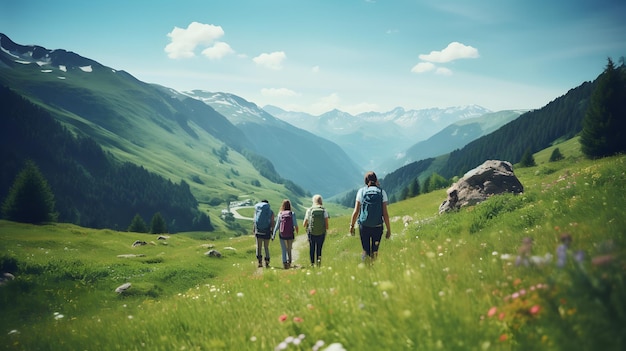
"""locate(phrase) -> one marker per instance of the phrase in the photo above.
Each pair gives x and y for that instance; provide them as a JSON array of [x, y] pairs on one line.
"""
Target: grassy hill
[[441, 282]]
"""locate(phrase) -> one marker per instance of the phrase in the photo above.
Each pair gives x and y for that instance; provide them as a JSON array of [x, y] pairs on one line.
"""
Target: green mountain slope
[[181, 140]]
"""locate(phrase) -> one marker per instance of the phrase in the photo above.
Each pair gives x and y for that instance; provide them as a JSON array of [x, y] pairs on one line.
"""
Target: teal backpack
[[371, 214]]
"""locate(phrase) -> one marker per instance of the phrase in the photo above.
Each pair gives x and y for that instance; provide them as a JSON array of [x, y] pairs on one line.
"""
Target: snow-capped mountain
[[371, 138]]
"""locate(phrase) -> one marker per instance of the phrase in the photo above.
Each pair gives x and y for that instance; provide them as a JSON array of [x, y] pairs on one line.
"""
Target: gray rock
[[213, 253], [491, 178], [122, 288]]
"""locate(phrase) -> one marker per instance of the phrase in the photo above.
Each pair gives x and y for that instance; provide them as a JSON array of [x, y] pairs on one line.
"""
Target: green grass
[[440, 283]]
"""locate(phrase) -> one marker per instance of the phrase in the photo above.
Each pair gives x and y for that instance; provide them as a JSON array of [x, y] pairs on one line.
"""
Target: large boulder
[[491, 178]]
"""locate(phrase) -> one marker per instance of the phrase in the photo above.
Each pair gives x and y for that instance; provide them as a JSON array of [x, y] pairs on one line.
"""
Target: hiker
[[286, 226], [370, 209], [263, 224], [316, 224]]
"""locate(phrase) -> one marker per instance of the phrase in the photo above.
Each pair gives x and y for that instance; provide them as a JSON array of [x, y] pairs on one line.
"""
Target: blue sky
[[352, 55]]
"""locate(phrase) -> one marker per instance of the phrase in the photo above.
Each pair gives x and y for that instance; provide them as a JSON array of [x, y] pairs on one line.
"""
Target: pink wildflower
[[535, 309], [282, 317], [298, 319], [492, 311]]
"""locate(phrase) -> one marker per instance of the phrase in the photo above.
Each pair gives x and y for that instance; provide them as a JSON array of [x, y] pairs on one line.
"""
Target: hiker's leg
[[319, 248], [289, 246], [283, 248], [366, 239], [377, 235], [259, 255], [311, 249], [266, 244]]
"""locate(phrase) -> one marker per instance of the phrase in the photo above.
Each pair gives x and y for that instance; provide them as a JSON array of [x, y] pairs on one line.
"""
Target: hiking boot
[[260, 264], [286, 265]]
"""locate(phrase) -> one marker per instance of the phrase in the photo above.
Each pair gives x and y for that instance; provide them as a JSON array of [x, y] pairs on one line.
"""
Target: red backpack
[[286, 224]]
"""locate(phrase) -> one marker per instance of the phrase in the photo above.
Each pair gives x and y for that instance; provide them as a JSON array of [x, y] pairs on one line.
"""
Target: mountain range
[[226, 147]]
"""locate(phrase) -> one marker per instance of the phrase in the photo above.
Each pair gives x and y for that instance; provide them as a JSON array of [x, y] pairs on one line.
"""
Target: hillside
[[180, 140], [317, 164], [441, 282]]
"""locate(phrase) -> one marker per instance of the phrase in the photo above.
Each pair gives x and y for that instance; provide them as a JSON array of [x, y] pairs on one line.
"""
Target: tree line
[[594, 110], [90, 187]]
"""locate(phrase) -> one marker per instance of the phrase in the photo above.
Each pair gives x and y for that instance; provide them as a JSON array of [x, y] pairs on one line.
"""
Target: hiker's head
[[317, 200], [267, 202], [286, 205], [371, 179]]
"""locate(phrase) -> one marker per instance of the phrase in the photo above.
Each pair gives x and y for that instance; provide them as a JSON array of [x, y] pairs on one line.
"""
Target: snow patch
[[42, 63], [9, 52], [86, 68], [63, 68], [46, 70], [23, 62], [62, 78]]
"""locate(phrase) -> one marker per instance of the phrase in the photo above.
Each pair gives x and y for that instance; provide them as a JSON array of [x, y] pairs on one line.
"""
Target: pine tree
[[414, 188], [157, 225], [527, 159], [138, 225], [30, 199], [556, 155], [605, 119]]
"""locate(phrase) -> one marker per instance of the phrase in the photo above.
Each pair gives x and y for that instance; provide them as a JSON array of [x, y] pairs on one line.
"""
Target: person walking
[[316, 224], [370, 211], [262, 229], [286, 226]]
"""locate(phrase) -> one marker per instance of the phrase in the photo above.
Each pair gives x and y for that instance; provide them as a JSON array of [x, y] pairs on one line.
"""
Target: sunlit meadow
[[451, 282]]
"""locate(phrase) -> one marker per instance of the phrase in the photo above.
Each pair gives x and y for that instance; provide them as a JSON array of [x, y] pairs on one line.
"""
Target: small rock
[[122, 288]]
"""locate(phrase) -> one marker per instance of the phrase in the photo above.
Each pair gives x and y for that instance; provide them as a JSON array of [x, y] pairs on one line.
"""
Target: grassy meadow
[[446, 282]]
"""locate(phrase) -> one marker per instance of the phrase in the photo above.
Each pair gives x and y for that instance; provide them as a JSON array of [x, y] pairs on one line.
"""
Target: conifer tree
[[414, 188], [556, 155], [138, 225], [30, 199], [157, 225], [527, 159], [605, 119]]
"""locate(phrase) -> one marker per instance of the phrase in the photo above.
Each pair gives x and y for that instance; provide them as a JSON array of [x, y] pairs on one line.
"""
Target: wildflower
[[312, 292], [318, 345], [535, 309], [298, 319], [58, 316], [335, 347], [503, 338], [492, 311], [310, 307], [282, 317], [501, 316], [253, 338], [239, 294], [282, 346]]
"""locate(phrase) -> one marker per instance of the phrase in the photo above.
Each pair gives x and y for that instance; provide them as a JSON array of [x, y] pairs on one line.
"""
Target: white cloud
[[443, 71], [326, 103], [278, 92], [217, 51], [315, 69], [272, 61], [184, 41], [423, 67], [453, 51]]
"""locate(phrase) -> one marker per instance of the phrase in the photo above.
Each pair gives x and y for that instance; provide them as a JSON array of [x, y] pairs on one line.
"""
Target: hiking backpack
[[371, 214], [317, 223], [262, 217], [286, 224]]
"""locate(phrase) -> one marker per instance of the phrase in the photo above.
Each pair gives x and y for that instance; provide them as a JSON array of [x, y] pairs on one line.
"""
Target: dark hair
[[286, 205], [370, 178]]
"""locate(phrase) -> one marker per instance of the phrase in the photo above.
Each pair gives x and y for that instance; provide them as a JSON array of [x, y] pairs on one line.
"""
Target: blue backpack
[[371, 214], [262, 218]]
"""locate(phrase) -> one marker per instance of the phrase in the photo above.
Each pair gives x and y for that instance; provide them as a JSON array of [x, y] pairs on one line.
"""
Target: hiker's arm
[[386, 219], [355, 213]]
